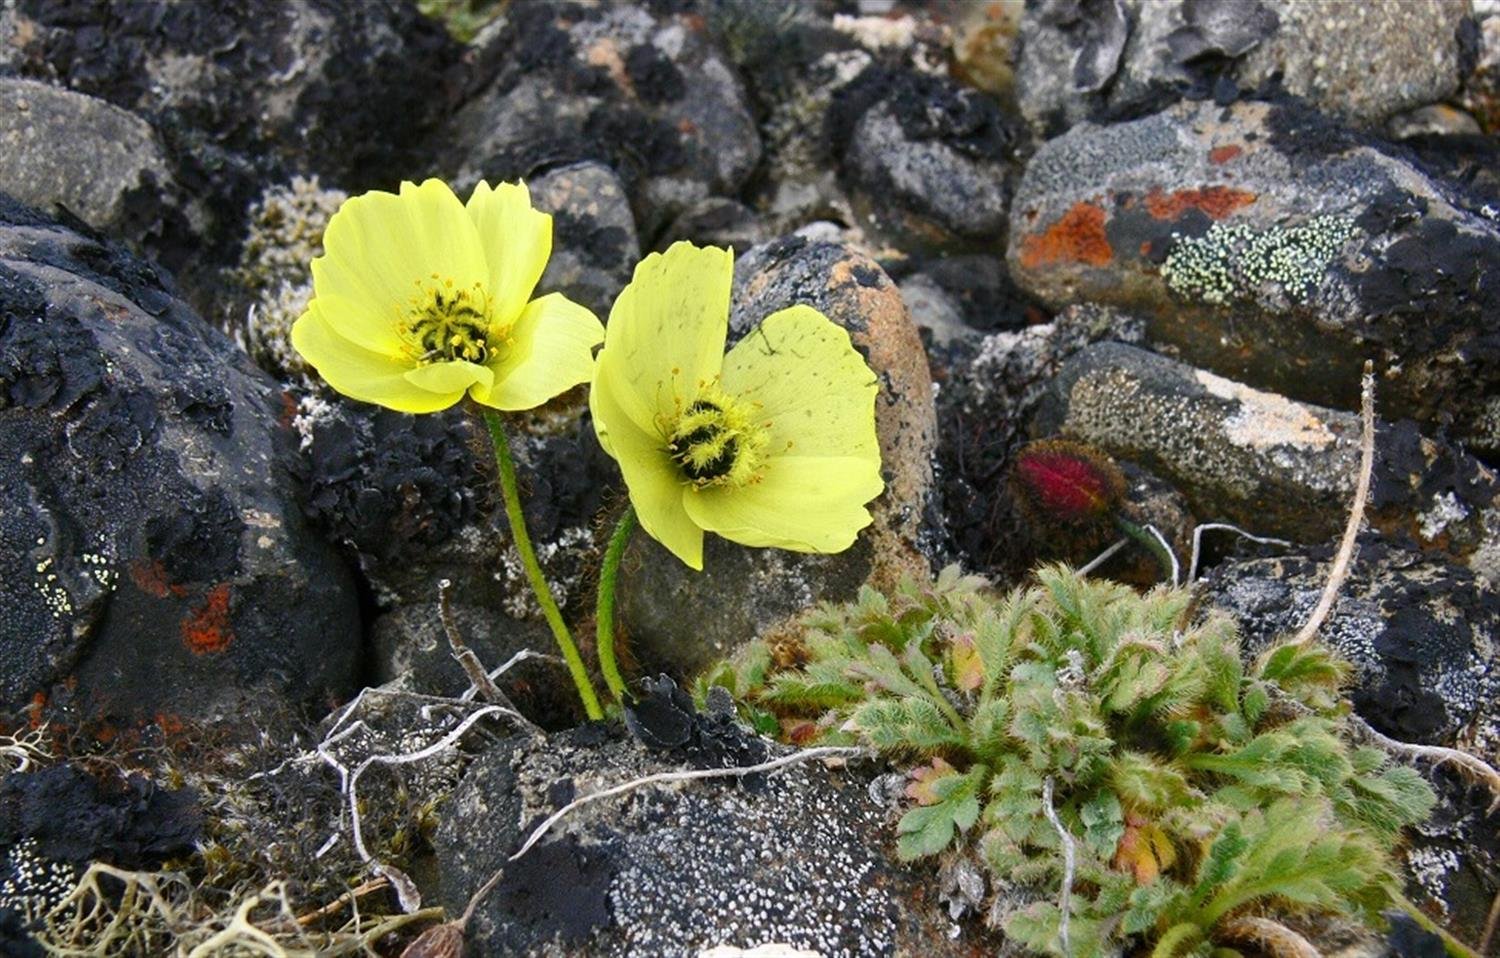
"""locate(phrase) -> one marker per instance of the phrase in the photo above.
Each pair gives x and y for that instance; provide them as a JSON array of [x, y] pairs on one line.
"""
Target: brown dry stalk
[[1341, 562]]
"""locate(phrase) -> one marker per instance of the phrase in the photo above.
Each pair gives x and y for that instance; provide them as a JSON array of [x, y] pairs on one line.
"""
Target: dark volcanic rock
[[246, 92], [1422, 633], [1272, 247], [928, 160], [796, 857], [742, 592], [649, 95], [1275, 466], [154, 551], [1093, 59], [594, 246]]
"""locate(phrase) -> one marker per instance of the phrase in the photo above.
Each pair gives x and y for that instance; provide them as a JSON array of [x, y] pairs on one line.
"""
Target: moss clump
[[274, 275], [1232, 262], [1190, 788]]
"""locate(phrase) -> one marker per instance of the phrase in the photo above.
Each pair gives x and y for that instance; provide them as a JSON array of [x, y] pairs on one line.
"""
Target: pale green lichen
[[284, 236], [1236, 261]]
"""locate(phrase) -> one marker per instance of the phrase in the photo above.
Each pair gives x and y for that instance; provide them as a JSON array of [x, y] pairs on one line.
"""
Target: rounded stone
[[160, 557], [1272, 465], [651, 96], [798, 857]]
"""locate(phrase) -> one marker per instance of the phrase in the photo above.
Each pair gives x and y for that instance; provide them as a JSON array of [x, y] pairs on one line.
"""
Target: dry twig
[[1065, 901], [1341, 561]]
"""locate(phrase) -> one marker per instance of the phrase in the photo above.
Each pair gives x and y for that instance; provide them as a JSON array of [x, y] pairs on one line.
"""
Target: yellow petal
[[814, 391], [516, 239], [651, 476], [665, 338], [806, 504], [382, 249], [551, 351], [360, 373], [452, 376]]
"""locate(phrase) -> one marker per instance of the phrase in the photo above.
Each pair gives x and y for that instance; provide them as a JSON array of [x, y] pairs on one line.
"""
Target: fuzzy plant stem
[[507, 470], [609, 575], [1152, 543]]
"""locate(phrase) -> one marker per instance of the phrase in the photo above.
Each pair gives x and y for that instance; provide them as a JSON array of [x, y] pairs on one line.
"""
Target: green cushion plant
[[1077, 719]]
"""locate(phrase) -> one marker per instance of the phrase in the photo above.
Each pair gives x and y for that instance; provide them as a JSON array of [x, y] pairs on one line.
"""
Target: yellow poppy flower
[[771, 445], [420, 299]]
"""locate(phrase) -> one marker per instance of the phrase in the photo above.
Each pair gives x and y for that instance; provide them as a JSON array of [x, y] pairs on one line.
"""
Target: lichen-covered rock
[[1422, 633], [319, 85], [154, 551], [415, 499], [1276, 466], [99, 162], [927, 160], [594, 245], [1360, 62], [798, 857], [743, 592], [1271, 247], [649, 95], [1424, 638]]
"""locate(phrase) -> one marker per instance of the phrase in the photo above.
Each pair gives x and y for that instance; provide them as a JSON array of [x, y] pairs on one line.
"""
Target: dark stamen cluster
[[703, 447]]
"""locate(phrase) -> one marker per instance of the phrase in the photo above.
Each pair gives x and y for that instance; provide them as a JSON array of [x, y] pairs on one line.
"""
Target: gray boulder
[[154, 548], [1088, 59], [101, 163], [1273, 465], [798, 857], [1269, 246], [928, 161], [594, 244]]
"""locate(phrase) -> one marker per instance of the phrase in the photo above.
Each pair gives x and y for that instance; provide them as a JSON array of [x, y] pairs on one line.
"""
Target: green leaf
[[929, 829]]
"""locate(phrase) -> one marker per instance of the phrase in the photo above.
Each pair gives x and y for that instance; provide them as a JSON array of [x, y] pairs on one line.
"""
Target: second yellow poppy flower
[[772, 444]]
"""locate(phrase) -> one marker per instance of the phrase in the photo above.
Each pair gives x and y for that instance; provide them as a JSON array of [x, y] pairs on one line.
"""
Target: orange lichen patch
[[169, 723], [687, 127], [206, 629], [1076, 238], [151, 578], [1220, 155], [1217, 201], [36, 708]]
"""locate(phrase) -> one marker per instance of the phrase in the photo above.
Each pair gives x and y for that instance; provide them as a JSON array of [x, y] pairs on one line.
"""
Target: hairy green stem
[[507, 470], [609, 575], [1158, 551], [1176, 936]]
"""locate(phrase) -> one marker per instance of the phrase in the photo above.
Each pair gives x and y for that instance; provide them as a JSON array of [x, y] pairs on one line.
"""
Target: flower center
[[715, 442], [447, 324]]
